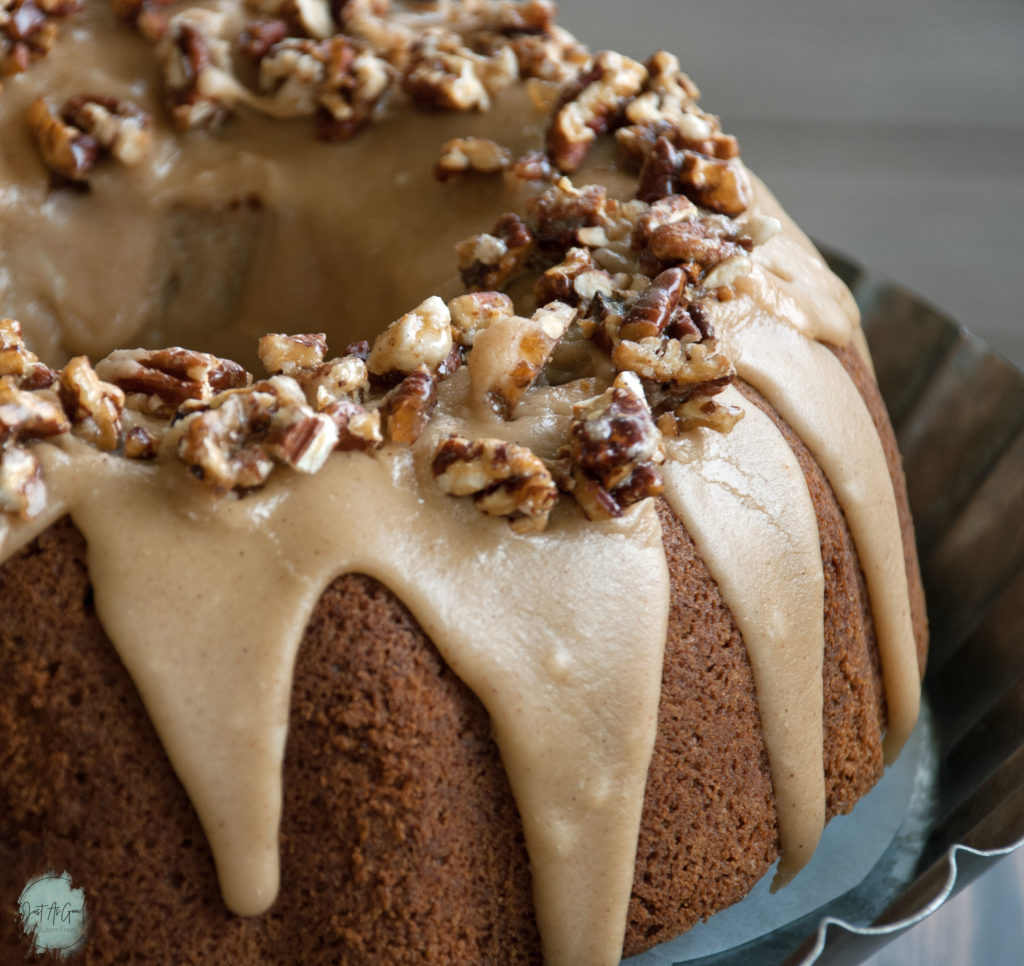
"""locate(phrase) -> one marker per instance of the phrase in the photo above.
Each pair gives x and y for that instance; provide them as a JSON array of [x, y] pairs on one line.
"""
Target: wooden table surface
[[894, 133]]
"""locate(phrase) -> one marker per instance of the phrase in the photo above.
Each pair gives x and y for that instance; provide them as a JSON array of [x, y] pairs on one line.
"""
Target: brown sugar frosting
[[206, 591]]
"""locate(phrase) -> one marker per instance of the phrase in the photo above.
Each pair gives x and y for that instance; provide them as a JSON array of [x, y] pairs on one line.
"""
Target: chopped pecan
[[406, 409], [529, 17], [473, 313], [422, 337], [18, 363], [21, 483], [489, 260], [712, 183], [200, 88], [720, 185], [614, 434], [301, 438], [555, 56], [231, 440], [654, 308], [667, 81], [505, 480], [699, 241], [358, 428], [700, 411], [509, 356], [332, 78], [592, 109], [576, 280], [759, 229], [666, 211], [728, 271], [94, 407], [121, 127], [66, 151], [443, 74], [140, 444], [344, 378], [682, 365], [532, 167], [257, 39], [286, 354], [314, 16], [659, 174], [147, 15], [221, 446], [28, 29], [158, 381], [367, 21], [559, 215], [471, 154], [28, 415]]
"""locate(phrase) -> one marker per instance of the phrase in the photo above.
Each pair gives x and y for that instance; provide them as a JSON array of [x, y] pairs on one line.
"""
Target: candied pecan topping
[[476, 311], [576, 279], [367, 21], [286, 354], [259, 36], [532, 167], [680, 364], [529, 17], [699, 411], [615, 450], [712, 183], [233, 440], [504, 479], [28, 29], [146, 15], [301, 438], [160, 380], [422, 337], [66, 151], [509, 356], [314, 17], [94, 407], [443, 74], [463, 155], [659, 176], [119, 126], [344, 378], [140, 444], [18, 363], [21, 483], [728, 271], [559, 214], [654, 307], [200, 88], [694, 240], [358, 428], [333, 79], [26, 415], [489, 260], [406, 409], [593, 107], [615, 430]]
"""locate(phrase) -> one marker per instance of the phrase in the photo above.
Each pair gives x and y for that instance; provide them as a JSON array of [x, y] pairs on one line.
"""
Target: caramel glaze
[[206, 600]]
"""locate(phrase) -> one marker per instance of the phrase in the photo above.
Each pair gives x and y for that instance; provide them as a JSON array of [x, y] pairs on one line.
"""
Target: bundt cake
[[552, 582]]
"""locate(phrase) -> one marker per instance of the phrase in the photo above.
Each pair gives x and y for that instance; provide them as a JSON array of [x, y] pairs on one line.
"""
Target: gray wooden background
[[893, 132]]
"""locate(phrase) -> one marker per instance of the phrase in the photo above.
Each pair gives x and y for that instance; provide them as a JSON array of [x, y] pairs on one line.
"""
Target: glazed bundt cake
[[509, 560]]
